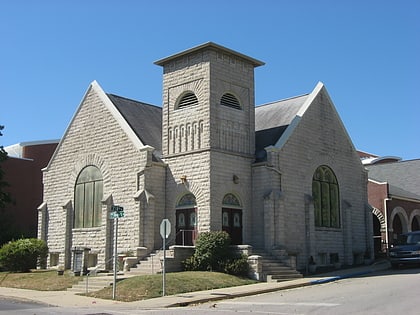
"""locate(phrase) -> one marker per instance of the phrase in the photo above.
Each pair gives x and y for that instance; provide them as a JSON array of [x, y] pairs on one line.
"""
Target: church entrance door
[[232, 224], [186, 224]]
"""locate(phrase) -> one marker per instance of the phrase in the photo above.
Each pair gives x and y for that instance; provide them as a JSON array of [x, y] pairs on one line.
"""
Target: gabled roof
[[144, 119], [398, 192], [276, 114], [402, 175], [272, 120], [141, 122]]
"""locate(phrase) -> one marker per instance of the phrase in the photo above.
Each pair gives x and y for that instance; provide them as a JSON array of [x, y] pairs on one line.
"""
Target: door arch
[[232, 218], [186, 220]]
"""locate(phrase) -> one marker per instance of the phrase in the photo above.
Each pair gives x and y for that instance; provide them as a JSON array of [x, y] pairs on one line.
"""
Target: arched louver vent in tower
[[188, 99], [230, 100]]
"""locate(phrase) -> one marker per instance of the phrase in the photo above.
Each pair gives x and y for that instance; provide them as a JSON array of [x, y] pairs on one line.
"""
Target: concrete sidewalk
[[70, 299]]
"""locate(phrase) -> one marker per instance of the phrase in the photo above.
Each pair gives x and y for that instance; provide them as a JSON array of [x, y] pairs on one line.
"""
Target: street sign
[[113, 215], [165, 228], [117, 212], [116, 208]]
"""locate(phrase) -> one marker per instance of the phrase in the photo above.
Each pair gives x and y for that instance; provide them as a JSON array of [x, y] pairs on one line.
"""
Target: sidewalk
[[69, 299]]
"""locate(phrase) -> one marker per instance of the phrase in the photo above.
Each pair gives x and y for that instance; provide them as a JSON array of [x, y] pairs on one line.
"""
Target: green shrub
[[211, 249], [23, 254], [213, 253], [237, 266]]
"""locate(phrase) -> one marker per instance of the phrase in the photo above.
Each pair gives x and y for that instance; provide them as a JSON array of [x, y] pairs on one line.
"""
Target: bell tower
[[208, 127]]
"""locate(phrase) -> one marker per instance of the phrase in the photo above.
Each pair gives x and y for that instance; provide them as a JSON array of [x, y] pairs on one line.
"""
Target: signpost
[[165, 230], [116, 212]]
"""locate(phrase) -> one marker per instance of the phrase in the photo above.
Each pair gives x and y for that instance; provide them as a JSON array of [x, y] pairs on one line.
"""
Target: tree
[[8, 229], [5, 197]]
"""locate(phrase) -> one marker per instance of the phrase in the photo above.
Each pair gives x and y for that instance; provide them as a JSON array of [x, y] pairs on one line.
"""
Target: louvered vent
[[230, 100], [188, 99]]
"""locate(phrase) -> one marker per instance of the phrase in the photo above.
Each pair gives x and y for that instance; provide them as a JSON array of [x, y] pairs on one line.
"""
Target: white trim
[[377, 182], [114, 112], [292, 126]]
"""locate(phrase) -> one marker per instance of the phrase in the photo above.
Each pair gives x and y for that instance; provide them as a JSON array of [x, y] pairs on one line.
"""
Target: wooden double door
[[232, 224], [186, 226]]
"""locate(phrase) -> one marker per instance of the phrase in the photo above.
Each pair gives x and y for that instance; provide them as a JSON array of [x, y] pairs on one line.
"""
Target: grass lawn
[[150, 286], [41, 280], [130, 289]]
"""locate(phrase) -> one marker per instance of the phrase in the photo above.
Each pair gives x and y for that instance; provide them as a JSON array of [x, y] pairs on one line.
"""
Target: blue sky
[[365, 52]]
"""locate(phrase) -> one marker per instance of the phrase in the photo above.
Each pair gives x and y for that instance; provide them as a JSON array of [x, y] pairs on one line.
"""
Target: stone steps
[[150, 264], [96, 283], [274, 270]]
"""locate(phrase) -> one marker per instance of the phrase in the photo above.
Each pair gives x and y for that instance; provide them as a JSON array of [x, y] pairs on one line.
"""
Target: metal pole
[[114, 284], [164, 259]]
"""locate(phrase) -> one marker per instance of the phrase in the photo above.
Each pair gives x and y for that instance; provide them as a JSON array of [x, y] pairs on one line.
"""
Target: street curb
[[228, 296], [350, 275], [374, 267]]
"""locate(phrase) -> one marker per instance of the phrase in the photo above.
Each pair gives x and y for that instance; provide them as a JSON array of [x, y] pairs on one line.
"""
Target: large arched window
[[326, 198], [87, 198]]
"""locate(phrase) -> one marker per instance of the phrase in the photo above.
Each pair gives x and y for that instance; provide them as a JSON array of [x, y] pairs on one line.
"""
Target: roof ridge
[[132, 100], [282, 100]]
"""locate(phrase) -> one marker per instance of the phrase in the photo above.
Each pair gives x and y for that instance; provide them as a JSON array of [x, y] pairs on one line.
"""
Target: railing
[[171, 241], [184, 232], [94, 271]]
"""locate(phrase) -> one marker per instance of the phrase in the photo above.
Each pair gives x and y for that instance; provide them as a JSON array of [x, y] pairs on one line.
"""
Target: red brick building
[[23, 173], [394, 194]]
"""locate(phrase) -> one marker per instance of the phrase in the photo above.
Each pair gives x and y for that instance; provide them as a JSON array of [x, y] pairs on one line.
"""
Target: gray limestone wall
[[94, 137]]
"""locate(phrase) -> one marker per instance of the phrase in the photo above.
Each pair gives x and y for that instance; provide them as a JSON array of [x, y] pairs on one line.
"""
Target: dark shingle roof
[[144, 119], [401, 176], [272, 119]]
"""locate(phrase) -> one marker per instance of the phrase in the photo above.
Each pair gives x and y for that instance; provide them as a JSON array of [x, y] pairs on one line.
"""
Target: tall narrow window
[[87, 198], [326, 198]]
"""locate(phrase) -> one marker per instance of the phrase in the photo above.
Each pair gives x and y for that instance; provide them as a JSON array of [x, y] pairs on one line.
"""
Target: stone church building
[[284, 175]]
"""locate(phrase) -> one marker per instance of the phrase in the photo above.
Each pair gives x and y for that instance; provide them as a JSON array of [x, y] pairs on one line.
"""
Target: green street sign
[[116, 212], [116, 208]]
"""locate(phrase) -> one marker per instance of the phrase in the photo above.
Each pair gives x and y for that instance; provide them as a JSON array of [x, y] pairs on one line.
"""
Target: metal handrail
[[95, 270]]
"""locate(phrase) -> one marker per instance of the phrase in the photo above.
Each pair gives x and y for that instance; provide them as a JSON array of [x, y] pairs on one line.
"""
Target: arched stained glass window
[[231, 200], [187, 200], [87, 198], [326, 198]]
